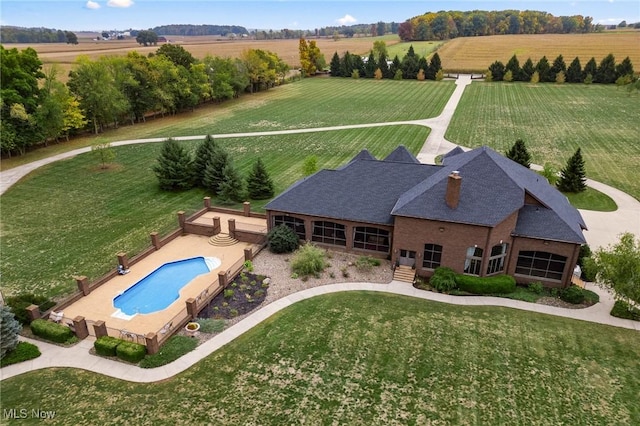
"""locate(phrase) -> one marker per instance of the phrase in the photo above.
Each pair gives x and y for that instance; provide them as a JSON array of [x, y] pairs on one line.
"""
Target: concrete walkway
[[78, 356]]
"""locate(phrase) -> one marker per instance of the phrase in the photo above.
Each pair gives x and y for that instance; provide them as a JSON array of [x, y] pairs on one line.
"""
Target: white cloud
[[346, 20], [120, 3], [92, 5]]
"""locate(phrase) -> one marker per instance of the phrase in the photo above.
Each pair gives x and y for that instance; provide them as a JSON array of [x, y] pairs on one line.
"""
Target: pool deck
[[254, 223], [99, 304]]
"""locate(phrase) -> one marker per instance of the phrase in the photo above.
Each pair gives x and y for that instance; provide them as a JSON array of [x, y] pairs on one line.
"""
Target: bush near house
[[51, 331], [621, 309], [486, 285], [443, 279], [131, 352], [23, 352], [572, 295], [282, 239], [21, 302], [106, 345], [308, 260]]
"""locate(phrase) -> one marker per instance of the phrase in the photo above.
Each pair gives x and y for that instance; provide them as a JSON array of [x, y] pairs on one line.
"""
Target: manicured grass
[[592, 199], [421, 48], [71, 217], [23, 352], [477, 53], [173, 349], [312, 102], [554, 120], [362, 359]]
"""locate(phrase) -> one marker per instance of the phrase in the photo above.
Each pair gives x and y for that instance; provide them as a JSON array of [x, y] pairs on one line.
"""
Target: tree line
[[198, 30], [606, 72], [446, 25], [36, 108], [378, 66], [10, 34]]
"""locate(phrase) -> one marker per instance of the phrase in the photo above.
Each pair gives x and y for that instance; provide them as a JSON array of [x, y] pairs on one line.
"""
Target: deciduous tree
[[147, 37], [618, 268]]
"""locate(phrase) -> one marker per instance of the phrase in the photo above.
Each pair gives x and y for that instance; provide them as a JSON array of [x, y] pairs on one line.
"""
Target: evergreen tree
[[519, 154], [214, 173], [370, 66], [606, 72], [203, 158], [624, 68], [514, 66], [590, 68], [395, 66], [410, 64], [259, 184], [497, 70], [383, 66], [527, 70], [232, 186], [544, 70], [336, 68], [346, 65], [175, 166], [572, 177], [557, 67], [434, 66], [574, 72], [9, 330], [423, 66]]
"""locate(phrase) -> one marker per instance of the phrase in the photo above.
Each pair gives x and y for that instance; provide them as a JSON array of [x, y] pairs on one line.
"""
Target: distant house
[[162, 39], [479, 214]]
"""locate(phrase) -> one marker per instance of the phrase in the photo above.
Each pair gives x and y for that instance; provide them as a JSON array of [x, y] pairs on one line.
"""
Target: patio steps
[[404, 274], [222, 240]]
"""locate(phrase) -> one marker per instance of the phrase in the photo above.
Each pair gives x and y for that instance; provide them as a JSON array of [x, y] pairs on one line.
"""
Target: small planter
[[192, 329]]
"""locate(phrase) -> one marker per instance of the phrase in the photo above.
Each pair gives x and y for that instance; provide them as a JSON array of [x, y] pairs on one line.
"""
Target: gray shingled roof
[[363, 190], [363, 155], [493, 187], [455, 151], [401, 155]]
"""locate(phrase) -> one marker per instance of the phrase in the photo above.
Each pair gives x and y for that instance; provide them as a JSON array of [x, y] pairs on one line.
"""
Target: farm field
[[421, 48], [369, 359], [314, 102], [86, 215], [467, 54], [554, 120]]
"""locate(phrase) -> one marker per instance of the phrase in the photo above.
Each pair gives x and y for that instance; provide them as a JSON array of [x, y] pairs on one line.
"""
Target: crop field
[[363, 358], [554, 120], [475, 54], [85, 215], [313, 102], [421, 48]]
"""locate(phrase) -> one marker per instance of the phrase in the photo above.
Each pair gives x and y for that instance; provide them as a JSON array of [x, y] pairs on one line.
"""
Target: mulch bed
[[244, 294]]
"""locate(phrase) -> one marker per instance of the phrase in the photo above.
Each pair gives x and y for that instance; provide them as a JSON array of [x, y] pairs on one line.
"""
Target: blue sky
[[98, 15]]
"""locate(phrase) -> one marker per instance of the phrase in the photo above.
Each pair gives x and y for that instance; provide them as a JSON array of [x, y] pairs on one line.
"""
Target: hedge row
[[445, 279], [51, 331], [126, 351]]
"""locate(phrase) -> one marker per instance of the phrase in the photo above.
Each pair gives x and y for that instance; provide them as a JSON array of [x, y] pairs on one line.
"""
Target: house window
[[473, 262], [496, 261], [329, 233], [541, 264], [432, 256], [296, 224], [369, 238]]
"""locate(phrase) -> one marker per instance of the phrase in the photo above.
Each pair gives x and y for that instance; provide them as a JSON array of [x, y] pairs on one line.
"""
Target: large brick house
[[479, 213]]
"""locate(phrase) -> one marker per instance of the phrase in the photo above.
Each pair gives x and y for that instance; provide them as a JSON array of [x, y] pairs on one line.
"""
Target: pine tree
[[624, 68], [606, 72], [232, 186], [557, 67], [371, 65], [203, 158], [383, 66], [434, 66], [214, 173], [9, 329], [259, 184], [590, 68], [175, 166], [519, 154], [336, 68], [574, 72], [514, 66], [544, 70], [572, 177], [527, 70]]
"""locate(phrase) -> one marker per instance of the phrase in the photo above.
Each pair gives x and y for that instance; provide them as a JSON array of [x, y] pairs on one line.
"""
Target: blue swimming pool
[[161, 288]]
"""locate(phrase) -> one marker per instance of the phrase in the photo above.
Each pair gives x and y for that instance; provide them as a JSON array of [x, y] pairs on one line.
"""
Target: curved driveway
[[604, 227]]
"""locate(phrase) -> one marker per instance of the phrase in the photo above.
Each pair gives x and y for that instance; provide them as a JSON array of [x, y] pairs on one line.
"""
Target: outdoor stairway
[[404, 274], [222, 240]]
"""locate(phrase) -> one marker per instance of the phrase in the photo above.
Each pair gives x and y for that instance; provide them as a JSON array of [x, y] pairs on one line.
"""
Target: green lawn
[[373, 359], [592, 199], [421, 48], [554, 120], [312, 102], [71, 218]]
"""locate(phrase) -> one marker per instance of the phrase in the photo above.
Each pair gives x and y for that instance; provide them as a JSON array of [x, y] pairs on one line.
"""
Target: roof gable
[[401, 155]]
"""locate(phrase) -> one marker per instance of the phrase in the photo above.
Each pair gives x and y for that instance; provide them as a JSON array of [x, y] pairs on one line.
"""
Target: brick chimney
[[452, 195]]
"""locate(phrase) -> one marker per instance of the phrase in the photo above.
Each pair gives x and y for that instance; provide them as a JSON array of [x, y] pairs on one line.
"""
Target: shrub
[[228, 293], [9, 330], [622, 309], [536, 288], [282, 239], [24, 351], [248, 265], [308, 260], [233, 313], [131, 352], [106, 345], [51, 331], [345, 272], [366, 263], [572, 295], [173, 349], [486, 285], [443, 279], [21, 302], [208, 325]]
